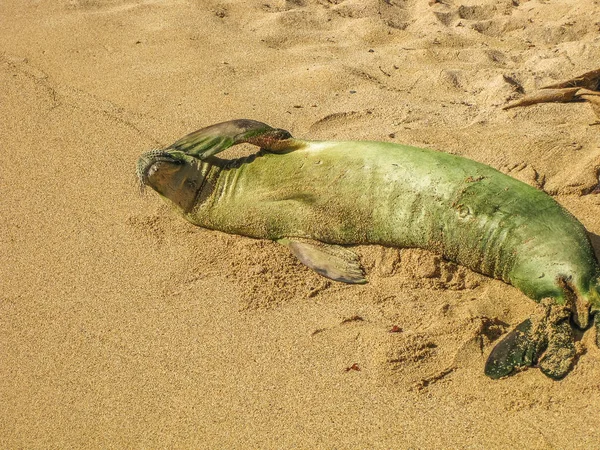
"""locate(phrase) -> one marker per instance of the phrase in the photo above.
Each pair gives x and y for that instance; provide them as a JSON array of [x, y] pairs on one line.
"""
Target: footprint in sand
[[409, 359]]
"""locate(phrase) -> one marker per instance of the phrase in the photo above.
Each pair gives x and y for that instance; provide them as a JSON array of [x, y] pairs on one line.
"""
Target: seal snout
[[147, 160]]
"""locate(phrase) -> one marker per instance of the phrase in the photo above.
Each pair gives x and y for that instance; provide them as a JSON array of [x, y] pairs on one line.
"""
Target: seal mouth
[[147, 160]]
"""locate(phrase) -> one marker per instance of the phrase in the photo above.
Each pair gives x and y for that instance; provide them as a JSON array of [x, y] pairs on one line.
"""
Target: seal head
[[173, 174]]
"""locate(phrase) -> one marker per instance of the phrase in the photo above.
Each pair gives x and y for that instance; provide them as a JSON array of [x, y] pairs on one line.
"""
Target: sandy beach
[[124, 326]]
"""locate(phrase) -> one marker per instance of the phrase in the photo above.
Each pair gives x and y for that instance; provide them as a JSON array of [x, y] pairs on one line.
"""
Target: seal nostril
[[144, 162]]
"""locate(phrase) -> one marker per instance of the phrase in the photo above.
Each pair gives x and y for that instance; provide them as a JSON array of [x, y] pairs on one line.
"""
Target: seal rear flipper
[[558, 359], [331, 261], [546, 339], [517, 349], [216, 138]]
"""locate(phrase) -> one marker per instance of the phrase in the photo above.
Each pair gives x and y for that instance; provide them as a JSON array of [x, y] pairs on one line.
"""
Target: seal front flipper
[[331, 261], [546, 340], [214, 139], [516, 349]]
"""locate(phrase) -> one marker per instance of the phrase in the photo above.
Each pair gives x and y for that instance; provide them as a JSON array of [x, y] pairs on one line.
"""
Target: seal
[[317, 197]]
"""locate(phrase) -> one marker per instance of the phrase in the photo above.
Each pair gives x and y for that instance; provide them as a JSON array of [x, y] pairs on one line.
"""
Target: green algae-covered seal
[[317, 197]]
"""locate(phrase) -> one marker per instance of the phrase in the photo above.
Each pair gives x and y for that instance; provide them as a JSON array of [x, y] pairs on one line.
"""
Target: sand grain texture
[[121, 325]]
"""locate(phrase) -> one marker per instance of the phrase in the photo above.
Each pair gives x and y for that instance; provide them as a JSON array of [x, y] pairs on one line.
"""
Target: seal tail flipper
[[216, 138], [331, 261], [546, 340], [516, 349], [558, 359]]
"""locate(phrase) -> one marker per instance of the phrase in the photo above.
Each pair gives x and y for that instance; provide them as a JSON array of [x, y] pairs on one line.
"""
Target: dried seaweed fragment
[[584, 88]]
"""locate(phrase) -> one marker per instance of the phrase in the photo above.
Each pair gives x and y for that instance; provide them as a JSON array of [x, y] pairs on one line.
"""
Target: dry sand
[[123, 326]]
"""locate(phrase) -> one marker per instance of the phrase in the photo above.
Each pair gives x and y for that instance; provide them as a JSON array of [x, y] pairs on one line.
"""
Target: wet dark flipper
[[331, 261], [519, 348], [545, 339], [217, 138], [558, 359]]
